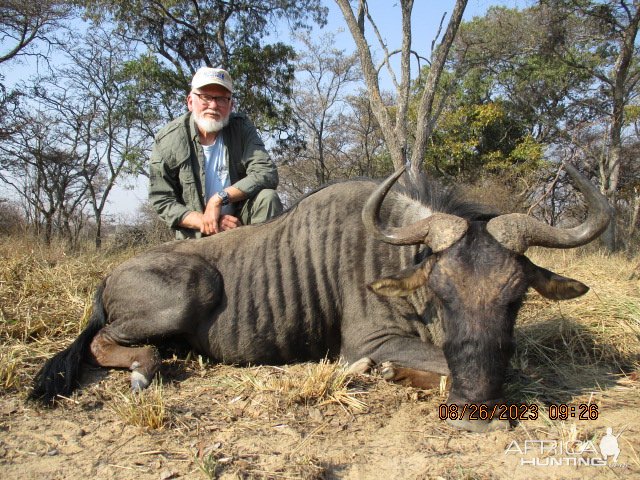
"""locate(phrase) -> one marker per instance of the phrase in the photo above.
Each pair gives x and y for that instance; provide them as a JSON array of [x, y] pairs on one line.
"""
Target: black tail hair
[[59, 375]]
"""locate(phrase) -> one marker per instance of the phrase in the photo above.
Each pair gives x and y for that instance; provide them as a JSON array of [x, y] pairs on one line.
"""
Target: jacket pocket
[[190, 191]]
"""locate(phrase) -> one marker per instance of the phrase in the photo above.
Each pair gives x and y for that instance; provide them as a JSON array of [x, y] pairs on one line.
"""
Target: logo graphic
[[576, 453], [609, 445]]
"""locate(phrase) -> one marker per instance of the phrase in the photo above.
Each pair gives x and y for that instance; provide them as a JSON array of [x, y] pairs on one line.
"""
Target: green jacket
[[176, 172]]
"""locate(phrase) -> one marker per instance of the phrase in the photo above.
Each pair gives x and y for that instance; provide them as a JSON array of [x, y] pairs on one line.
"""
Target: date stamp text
[[516, 411]]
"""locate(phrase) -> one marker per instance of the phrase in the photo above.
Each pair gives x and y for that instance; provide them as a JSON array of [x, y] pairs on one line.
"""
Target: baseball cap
[[207, 76]]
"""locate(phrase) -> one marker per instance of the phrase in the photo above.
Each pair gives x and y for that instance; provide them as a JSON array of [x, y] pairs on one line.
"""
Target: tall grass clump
[[568, 347], [45, 291], [316, 384], [144, 408], [10, 371]]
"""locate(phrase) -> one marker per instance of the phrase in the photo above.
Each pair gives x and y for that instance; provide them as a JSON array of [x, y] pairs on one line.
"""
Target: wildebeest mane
[[440, 198], [450, 199]]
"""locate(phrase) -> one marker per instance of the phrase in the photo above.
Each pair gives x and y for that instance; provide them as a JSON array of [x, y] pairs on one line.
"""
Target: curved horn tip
[[398, 172], [372, 206], [570, 169], [517, 232]]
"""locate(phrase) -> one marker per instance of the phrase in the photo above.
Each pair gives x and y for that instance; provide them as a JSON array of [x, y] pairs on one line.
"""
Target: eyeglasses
[[207, 99]]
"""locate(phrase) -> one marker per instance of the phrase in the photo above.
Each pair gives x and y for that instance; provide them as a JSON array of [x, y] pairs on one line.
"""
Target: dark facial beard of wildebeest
[[329, 277]]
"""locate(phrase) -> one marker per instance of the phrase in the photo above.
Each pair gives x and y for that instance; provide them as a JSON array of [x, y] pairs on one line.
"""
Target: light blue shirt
[[216, 171]]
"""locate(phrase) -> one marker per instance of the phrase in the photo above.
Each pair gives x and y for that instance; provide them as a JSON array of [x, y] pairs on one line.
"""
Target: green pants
[[265, 205]]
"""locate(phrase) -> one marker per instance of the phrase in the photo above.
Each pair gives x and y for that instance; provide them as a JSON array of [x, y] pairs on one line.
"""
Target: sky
[[126, 198]]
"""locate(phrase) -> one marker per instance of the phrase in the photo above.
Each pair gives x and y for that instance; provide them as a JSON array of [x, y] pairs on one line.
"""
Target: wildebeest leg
[[414, 361], [411, 352], [394, 373], [410, 376], [417, 361], [143, 362], [360, 367], [157, 296]]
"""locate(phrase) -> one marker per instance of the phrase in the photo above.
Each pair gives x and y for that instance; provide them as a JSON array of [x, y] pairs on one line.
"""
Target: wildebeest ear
[[554, 286], [404, 283]]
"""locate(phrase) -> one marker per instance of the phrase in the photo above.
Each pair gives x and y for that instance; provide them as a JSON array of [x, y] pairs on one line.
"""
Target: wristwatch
[[224, 196]]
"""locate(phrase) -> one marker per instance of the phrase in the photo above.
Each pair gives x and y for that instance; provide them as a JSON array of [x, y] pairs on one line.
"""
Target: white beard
[[210, 125]]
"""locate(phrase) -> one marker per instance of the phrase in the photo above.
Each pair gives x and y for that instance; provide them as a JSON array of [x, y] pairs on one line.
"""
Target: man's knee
[[265, 205], [268, 198]]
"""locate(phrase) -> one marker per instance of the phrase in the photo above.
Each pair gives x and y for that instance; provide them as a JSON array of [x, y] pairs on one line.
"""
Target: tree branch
[[424, 128]]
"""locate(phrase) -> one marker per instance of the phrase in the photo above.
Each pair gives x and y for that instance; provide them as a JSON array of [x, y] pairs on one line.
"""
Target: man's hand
[[194, 221], [211, 222], [211, 216], [229, 222]]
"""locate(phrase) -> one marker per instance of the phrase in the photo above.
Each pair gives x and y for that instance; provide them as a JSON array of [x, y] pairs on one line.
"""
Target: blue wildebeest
[[353, 270]]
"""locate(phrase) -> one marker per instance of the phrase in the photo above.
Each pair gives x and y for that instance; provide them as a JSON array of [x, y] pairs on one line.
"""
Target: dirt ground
[[220, 426]]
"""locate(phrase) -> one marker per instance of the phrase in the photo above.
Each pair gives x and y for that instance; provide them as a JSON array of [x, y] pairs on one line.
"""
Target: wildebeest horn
[[517, 231], [438, 231]]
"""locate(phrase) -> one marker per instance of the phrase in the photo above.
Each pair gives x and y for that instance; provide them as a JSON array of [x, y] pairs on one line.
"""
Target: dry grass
[[9, 369], [567, 347], [144, 409], [45, 290], [317, 384], [45, 298]]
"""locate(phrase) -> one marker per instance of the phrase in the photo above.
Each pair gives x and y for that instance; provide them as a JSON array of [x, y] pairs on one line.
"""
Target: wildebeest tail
[[59, 375]]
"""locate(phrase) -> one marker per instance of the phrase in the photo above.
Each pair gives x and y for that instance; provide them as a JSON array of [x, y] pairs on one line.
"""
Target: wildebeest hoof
[[388, 371], [139, 381], [360, 367], [479, 426]]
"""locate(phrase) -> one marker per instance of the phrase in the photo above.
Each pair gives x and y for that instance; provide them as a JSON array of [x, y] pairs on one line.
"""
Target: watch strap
[[224, 196]]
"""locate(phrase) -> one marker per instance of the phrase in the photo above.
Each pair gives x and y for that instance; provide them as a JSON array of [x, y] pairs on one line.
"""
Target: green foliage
[[180, 36], [527, 154], [502, 98], [156, 93], [475, 139], [632, 114], [521, 80], [263, 77], [511, 56]]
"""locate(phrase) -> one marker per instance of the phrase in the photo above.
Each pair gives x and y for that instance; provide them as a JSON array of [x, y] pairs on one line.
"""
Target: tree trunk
[[98, 232], [634, 215], [48, 229], [608, 237], [610, 164], [395, 130]]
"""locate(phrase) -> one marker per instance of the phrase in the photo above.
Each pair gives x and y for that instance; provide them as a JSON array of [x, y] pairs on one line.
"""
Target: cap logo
[[206, 76], [214, 75]]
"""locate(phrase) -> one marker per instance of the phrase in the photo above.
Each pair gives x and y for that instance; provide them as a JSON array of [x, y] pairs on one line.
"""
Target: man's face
[[211, 106]]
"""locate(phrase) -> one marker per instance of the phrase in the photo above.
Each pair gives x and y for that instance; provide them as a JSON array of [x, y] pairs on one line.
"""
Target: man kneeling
[[210, 171]]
